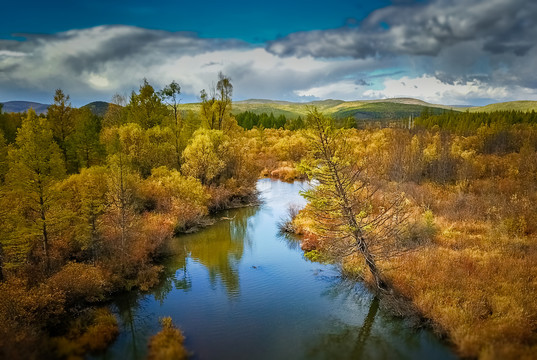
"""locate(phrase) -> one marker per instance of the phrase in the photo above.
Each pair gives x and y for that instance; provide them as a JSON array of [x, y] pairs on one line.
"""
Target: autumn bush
[[91, 332], [182, 198], [81, 283], [25, 314]]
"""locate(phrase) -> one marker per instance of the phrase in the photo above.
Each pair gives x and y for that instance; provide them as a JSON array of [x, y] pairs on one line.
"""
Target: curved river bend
[[239, 290]]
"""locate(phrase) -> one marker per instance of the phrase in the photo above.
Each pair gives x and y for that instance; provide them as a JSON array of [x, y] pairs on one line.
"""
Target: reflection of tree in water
[[292, 241], [220, 248], [174, 274], [134, 327], [347, 341]]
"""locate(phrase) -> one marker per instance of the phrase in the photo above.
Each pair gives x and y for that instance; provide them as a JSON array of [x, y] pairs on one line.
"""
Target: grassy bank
[[472, 264]]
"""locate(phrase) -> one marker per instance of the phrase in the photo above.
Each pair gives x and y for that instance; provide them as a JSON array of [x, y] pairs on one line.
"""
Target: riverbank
[[240, 279], [473, 282]]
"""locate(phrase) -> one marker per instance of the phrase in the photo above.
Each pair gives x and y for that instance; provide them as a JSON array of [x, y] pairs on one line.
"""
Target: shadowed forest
[[446, 205]]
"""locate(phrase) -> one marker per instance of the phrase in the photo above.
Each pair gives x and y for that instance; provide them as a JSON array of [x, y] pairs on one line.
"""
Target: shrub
[[81, 283]]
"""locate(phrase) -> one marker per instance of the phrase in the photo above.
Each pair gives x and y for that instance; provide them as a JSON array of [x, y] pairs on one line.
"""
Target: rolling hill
[[382, 109], [523, 105], [387, 109]]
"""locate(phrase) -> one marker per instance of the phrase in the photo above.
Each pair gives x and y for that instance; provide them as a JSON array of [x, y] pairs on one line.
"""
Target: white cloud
[[341, 90], [431, 89], [93, 64], [98, 62]]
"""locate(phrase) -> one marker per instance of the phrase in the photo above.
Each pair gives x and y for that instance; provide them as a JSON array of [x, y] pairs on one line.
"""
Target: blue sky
[[440, 51], [246, 20]]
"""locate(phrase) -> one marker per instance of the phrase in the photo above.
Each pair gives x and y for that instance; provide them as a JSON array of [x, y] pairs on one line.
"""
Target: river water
[[239, 290]]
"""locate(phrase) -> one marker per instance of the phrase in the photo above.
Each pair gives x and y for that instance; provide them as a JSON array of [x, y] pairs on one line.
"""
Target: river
[[240, 290]]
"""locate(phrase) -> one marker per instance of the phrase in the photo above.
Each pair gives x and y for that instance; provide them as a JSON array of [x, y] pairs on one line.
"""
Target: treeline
[[86, 203], [498, 132], [248, 120], [466, 123]]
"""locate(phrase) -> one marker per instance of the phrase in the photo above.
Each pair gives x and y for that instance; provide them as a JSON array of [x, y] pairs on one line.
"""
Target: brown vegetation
[[473, 272]]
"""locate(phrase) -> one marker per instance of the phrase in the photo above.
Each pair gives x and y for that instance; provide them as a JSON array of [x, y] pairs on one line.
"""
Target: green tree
[[116, 115], [146, 107], [120, 197], [36, 165], [85, 139], [60, 115], [208, 110]]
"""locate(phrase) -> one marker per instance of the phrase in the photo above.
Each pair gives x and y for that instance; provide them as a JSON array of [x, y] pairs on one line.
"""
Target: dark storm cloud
[[499, 26]]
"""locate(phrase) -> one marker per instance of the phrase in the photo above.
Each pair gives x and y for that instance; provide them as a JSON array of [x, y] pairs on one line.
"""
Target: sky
[[456, 52]]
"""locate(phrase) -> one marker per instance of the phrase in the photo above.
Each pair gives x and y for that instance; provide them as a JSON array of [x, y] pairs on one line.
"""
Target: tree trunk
[[44, 231], [45, 237]]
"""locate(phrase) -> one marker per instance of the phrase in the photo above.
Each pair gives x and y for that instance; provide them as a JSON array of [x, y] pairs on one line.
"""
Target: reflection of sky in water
[[238, 291]]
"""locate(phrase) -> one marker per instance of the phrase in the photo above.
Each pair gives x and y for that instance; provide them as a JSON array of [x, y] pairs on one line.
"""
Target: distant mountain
[[98, 108], [382, 109], [22, 106]]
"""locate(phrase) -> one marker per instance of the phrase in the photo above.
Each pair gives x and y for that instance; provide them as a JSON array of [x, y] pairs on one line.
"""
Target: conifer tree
[[342, 201], [35, 166], [60, 115]]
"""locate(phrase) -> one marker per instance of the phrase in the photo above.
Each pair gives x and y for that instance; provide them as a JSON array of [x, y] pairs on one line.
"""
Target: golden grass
[[476, 280]]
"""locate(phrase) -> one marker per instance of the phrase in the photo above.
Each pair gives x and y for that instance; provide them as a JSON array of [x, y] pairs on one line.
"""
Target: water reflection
[[288, 308], [346, 340], [136, 325], [175, 275], [221, 249]]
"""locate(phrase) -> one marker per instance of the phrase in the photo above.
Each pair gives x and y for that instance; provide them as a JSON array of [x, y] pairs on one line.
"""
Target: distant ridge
[[23, 106], [97, 107], [521, 105], [394, 108], [381, 109]]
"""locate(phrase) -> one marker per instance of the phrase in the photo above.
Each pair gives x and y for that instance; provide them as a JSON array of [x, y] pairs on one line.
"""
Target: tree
[[224, 89], [36, 165], [146, 107], [200, 158], [342, 202], [116, 115], [121, 183], [170, 94], [3, 158], [85, 138], [87, 196], [60, 115], [207, 110]]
